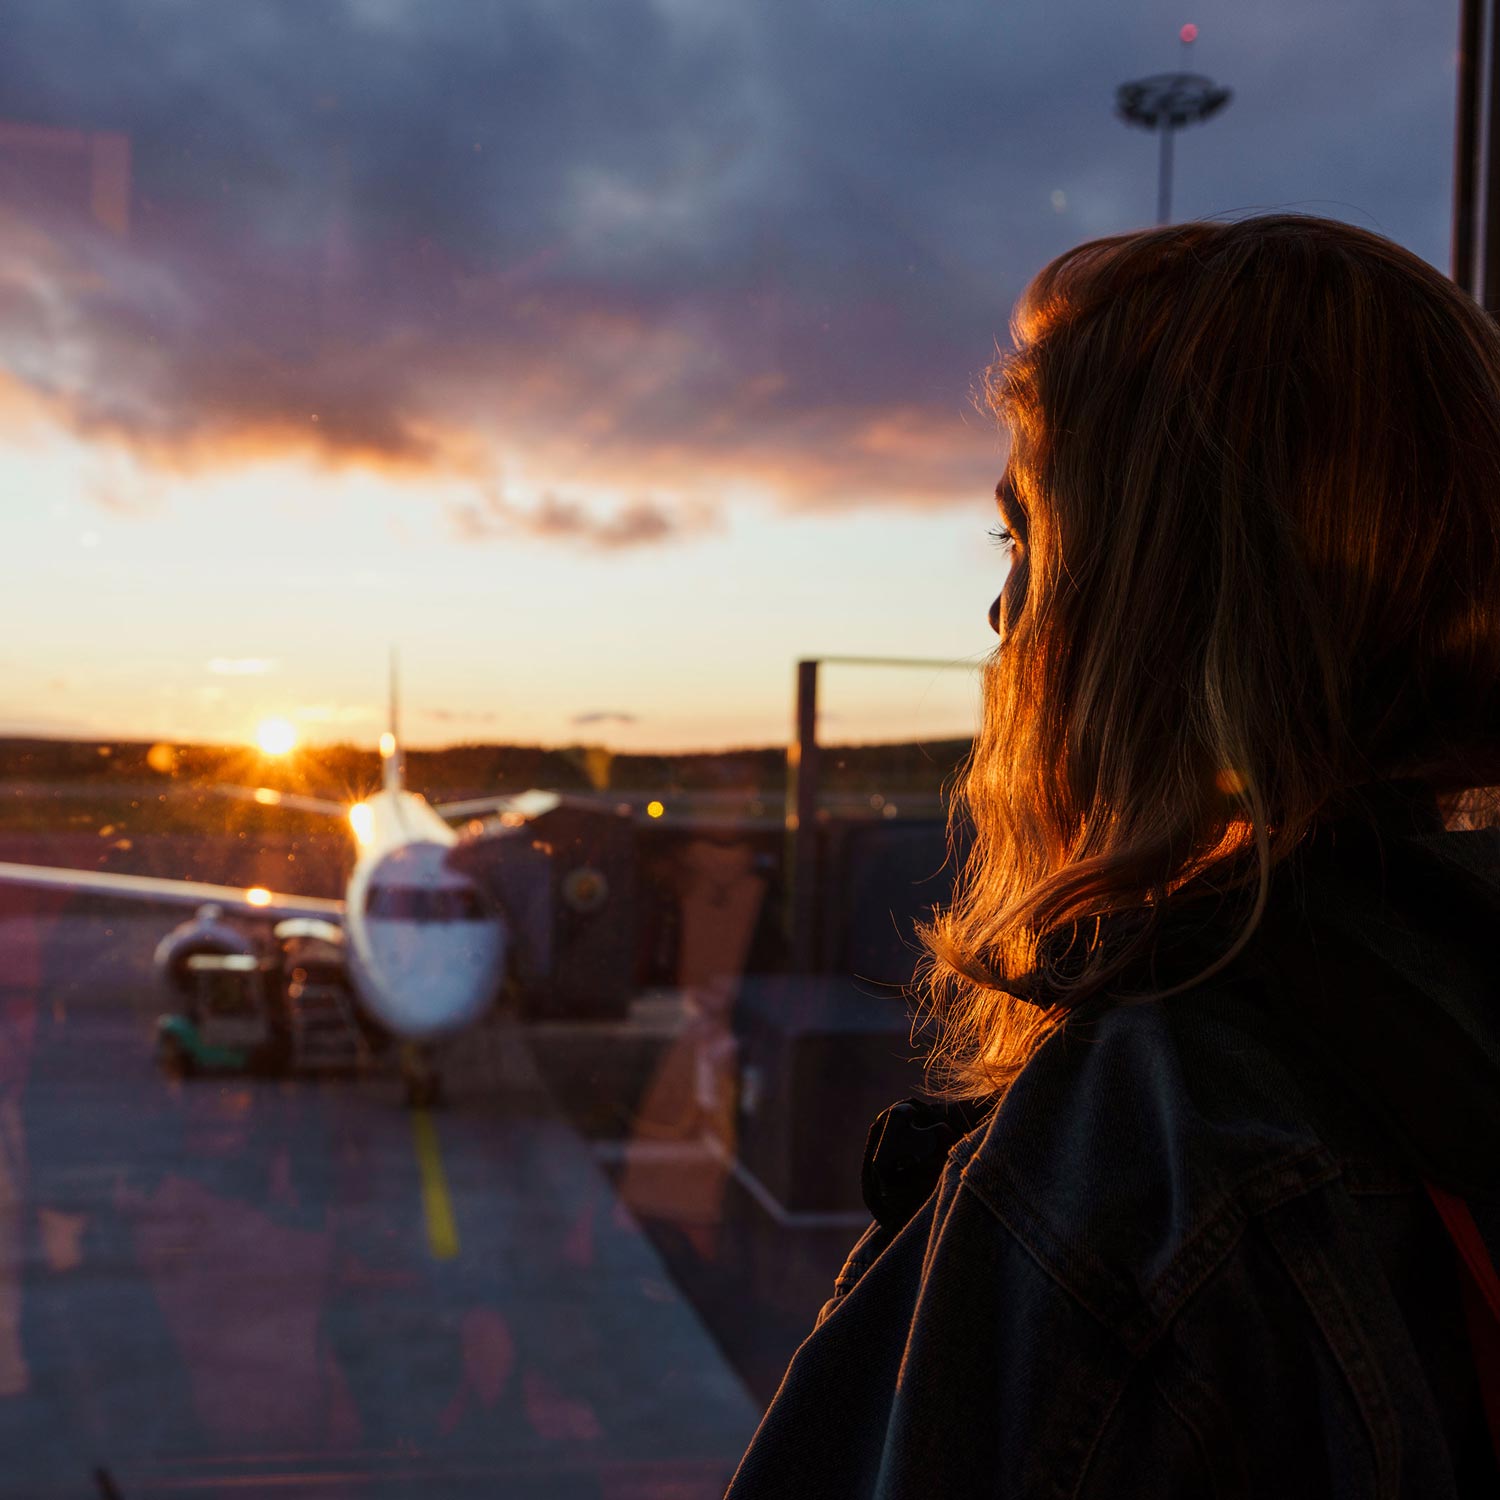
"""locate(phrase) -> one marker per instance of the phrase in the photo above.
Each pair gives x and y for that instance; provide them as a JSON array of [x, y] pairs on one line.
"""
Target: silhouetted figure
[[1217, 1003]]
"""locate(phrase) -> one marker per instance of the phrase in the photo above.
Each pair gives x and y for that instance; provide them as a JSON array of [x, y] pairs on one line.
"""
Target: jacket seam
[[1076, 1493], [1200, 1447], [1361, 1376], [1052, 1274], [1172, 1290], [853, 1272], [1142, 1316]]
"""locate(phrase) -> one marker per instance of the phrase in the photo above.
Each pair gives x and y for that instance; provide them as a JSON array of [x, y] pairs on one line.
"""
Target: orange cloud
[[682, 410]]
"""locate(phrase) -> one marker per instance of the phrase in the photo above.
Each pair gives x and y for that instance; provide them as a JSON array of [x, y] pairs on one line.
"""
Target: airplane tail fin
[[393, 762]]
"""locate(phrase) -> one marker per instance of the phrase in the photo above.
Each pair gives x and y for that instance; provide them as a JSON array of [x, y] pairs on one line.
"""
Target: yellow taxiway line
[[442, 1231]]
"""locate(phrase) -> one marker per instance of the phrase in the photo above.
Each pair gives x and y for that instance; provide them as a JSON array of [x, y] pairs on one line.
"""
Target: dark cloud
[[604, 716], [680, 248], [634, 524]]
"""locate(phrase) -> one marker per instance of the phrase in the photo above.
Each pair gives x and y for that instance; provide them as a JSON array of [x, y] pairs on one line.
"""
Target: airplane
[[425, 950]]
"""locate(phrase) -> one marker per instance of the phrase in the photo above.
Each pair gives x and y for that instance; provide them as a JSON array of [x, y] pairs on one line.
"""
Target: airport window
[[520, 462]]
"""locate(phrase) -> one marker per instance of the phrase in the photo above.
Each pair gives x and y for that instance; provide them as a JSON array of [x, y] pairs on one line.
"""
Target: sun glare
[[258, 895], [362, 821], [276, 736]]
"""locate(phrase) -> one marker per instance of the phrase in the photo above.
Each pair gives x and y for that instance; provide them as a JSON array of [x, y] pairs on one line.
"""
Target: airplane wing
[[522, 805], [238, 901], [266, 796]]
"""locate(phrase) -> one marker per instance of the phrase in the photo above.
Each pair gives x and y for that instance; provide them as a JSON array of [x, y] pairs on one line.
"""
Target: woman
[[1219, 983]]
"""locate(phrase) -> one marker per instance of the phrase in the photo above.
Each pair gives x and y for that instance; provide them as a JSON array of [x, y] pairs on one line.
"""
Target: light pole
[[1166, 102], [1476, 174]]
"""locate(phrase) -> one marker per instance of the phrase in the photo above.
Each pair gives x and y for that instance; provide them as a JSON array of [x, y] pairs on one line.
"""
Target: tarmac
[[260, 1286]]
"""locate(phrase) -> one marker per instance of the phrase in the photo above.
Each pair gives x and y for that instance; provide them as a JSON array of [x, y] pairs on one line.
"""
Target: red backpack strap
[[1481, 1294]]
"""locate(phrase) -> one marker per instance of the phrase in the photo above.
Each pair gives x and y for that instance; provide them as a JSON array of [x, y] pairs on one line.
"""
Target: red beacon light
[[1189, 34]]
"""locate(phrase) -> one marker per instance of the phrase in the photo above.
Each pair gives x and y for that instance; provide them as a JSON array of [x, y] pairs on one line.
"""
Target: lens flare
[[362, 821], [258, 895]]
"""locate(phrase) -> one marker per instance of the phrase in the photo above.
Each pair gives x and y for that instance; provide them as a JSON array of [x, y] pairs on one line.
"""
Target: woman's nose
[[995, 615]]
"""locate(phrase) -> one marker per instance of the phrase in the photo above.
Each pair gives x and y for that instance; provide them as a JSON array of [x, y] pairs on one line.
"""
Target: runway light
[[654, 809], [387, 745], [362, 821], [258, 895], [267, 796], [276, 736]]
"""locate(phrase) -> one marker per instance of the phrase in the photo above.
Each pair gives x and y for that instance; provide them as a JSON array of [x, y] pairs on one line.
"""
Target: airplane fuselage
[[426, 951]]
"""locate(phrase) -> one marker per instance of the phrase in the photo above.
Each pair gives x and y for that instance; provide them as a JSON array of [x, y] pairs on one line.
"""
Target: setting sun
[[276, 736]]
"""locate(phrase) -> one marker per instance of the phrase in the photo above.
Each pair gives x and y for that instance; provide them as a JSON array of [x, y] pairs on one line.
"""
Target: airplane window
[[463, 906], [392, 902], [417, 904], [544, 432]]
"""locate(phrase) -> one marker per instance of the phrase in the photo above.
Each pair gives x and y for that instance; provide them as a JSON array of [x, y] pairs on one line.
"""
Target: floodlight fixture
[[1166, 102]]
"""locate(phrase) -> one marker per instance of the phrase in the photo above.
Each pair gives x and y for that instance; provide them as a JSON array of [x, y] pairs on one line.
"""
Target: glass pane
[[608, 361]]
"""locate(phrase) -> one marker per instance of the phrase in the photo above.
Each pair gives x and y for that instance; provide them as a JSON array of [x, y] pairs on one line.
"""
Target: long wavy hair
[[1254, 492]]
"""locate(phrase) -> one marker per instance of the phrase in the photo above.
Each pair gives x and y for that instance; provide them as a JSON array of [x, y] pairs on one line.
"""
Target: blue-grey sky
[[609, 354]]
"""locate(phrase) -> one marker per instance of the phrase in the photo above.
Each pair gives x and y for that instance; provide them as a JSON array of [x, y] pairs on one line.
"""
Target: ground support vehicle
[[252, 1013]]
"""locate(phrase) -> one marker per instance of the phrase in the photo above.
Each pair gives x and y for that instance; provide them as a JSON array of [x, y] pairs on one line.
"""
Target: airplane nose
[[429, 981]]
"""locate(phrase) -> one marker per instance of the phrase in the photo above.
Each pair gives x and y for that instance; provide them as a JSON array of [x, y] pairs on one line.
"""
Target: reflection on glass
[[475, 1096]]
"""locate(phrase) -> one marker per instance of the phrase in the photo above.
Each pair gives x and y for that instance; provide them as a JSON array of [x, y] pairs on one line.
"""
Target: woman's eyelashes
[[1003, 538]]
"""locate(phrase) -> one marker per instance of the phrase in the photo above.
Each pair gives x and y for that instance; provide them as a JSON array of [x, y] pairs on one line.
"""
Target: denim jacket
[[1190, 1254]]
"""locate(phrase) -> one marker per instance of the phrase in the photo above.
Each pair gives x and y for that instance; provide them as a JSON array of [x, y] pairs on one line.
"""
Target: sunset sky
[[605, 355]]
